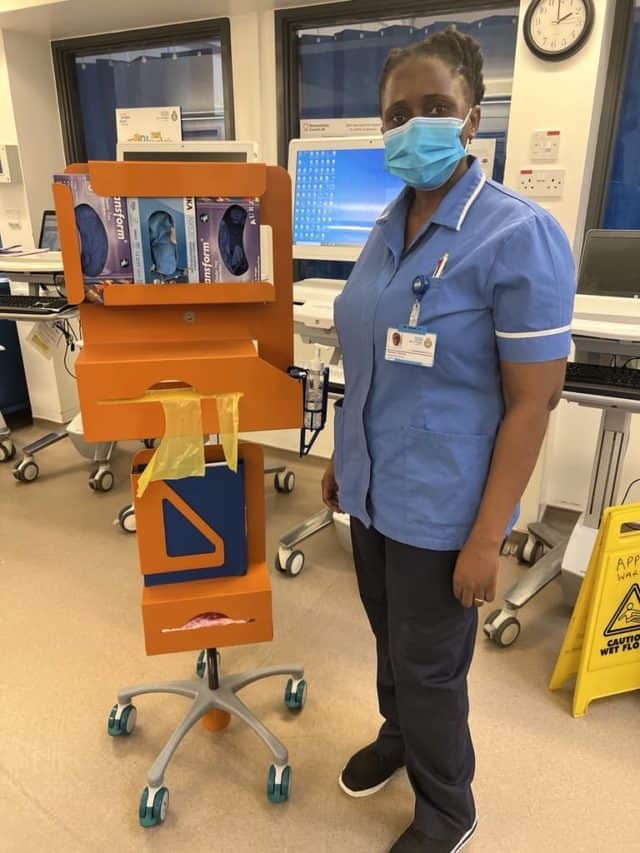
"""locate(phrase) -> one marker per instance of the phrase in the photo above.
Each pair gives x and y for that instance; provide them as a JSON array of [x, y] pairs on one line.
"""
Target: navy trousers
[[425, 641]]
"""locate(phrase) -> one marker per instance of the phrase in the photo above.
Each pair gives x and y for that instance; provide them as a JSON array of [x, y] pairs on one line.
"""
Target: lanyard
[[419, 287]]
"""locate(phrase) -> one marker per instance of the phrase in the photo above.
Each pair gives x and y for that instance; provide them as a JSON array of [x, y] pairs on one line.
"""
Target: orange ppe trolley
[[149, 351]]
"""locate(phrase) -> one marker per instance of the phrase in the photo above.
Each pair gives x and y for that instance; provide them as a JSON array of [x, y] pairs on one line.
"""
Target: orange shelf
[[188, 294], [246, 180]]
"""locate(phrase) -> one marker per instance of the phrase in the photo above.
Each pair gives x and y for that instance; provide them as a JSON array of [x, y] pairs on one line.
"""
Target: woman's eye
[[439, 110], [398, 118]]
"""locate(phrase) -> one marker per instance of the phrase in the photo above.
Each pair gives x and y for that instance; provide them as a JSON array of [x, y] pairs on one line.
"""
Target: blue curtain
[[182, 78], [623, 200], [339, 73]]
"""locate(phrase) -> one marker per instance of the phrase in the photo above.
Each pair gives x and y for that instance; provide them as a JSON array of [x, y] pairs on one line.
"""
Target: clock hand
[[558, 15], [565, 18]]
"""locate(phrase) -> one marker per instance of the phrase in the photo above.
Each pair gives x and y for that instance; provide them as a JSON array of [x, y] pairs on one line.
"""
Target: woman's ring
[[479, 601]]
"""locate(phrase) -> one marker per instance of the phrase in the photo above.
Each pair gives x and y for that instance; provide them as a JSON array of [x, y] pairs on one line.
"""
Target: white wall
[[566, 96], [37, 120]]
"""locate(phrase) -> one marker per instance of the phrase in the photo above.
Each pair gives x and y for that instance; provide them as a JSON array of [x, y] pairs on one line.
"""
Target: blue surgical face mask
[[425, 151]]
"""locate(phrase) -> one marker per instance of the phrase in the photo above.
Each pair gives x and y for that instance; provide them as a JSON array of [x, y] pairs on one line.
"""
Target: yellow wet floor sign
[[602, 645]]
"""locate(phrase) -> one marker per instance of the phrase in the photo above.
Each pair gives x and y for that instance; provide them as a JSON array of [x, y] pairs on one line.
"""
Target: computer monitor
[[610, 264], [49, 237], [205, 151], [340, 188], [609, 276]]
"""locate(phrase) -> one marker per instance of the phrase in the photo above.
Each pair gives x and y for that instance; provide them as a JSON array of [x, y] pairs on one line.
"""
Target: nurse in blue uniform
[[455, 329]]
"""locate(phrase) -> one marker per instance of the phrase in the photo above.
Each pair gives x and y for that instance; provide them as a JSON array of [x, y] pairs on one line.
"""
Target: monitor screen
[[610, 264], [187, 156], [339, 194], [49, 238]]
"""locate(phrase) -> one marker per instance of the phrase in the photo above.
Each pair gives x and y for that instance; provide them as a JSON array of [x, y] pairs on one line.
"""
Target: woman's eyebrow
[[397, 104]]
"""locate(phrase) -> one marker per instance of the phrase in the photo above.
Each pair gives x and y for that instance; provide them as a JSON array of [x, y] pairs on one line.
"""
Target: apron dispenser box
[[186, 614]]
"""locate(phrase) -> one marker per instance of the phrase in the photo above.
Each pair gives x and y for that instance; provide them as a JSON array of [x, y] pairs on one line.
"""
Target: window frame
[[289, 21], [610, 115], [65, 52]]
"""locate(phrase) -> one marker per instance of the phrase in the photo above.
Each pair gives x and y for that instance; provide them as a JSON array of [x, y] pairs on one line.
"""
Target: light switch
[[545, 145]]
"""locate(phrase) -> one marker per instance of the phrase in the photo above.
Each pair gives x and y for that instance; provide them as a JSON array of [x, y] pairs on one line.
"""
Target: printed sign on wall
[[149, 124]]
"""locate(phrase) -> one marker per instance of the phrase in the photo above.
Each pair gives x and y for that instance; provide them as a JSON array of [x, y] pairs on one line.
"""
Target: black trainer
[[367, 772], [415, 841]]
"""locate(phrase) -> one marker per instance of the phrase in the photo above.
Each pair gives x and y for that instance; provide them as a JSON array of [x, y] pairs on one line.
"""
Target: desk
[[52, 391]]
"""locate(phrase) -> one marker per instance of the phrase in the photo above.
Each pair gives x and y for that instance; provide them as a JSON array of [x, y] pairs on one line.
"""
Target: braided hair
[[459, 51]]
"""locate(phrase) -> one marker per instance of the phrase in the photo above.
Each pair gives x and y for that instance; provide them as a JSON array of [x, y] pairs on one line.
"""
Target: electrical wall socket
[[542, 183]]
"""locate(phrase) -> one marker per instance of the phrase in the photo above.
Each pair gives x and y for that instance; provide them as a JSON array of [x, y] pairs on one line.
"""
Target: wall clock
[[556, 29]]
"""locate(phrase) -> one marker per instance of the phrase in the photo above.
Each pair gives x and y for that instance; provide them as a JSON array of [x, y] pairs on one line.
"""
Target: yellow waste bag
[[181, 451], [229, 420]]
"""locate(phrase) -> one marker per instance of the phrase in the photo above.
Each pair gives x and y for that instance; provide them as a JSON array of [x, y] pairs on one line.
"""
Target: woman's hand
[[330, 488], [476, 574]]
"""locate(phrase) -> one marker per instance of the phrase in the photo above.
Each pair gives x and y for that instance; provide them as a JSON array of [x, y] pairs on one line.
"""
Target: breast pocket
[[445, 476]]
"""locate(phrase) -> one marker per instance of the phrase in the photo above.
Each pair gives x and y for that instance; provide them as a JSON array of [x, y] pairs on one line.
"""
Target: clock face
[[557, 28]]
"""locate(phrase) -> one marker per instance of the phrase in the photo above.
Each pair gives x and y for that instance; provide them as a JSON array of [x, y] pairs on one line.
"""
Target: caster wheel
[[7, 451], [284, 483], [295, 695], [102, 482], [507, 633], [26, 472], [123, 725], [536, 553], [149, 443], [503, 631], [155, 814], [279, 784], [127, 519], [201, 665], [290, 562], [529, 551]]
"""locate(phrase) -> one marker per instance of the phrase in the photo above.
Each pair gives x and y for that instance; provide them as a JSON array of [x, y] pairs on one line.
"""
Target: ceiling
[[67, 18]]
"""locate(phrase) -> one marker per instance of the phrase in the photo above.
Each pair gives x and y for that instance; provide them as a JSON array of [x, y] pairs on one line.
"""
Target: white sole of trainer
[[466, 838], [368, 792]]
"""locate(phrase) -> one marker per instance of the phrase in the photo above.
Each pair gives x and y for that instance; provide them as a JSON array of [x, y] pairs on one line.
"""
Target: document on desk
[[44, 338], [19, 252]]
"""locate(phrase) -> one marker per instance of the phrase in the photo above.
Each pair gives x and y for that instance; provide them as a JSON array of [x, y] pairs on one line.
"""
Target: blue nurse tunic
[[413, 444]]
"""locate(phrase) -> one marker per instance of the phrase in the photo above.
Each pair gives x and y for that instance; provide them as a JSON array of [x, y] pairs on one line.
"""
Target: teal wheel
[[125, 724], [155, 814], [201, 665], [278, 792], [295, 699]]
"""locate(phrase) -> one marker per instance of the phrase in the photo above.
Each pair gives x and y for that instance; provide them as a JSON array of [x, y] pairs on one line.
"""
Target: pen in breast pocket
[[441, 265]]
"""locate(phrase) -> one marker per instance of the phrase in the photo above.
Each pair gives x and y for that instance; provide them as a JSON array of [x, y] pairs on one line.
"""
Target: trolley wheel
[[127, 519], [285, 482], [7, 451], [502, 631], [125, 724], [201, 664], [295, 694], [279, 784], [26, 471], [149, 443], [290, 562], [156, 813], [102, 482]]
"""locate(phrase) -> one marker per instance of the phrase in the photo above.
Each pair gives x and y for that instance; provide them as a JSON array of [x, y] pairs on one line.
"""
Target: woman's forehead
[[419, 76]]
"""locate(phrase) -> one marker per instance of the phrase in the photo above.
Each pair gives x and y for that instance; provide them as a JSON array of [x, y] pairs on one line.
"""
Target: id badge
[[411, 345]]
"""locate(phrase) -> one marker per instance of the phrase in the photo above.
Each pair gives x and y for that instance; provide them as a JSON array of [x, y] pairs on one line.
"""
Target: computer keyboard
[[602, 379], [12, 304]]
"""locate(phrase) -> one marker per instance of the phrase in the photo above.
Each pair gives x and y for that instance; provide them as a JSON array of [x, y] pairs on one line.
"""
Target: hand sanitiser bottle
[[315, 393]]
